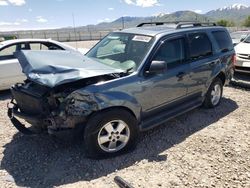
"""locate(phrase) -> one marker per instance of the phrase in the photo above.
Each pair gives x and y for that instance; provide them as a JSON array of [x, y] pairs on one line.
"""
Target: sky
[[46, 14]]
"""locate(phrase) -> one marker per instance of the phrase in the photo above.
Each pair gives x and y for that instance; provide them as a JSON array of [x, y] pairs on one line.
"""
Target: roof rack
[[180, 24], [157, 23], [194, 24]]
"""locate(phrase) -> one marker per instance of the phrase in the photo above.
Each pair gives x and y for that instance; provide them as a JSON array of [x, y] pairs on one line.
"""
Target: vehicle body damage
[[131, 81], [60, 67], [53, 96]]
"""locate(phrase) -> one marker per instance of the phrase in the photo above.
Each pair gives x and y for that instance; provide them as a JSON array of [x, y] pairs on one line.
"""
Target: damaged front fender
[[82, 103]]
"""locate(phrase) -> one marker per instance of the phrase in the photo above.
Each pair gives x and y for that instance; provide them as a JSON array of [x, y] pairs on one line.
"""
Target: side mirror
[[157, 67], [242, 39]]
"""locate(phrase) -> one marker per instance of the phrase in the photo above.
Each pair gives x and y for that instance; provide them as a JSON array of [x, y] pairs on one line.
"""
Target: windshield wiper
[[128, 70]]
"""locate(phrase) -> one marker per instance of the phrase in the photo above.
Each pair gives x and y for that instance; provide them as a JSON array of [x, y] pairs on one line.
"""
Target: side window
[[38, 46], [51, 46], [199, 45], [223, 40], [35, 46], [172, 52], [8, 52], [44, 46]]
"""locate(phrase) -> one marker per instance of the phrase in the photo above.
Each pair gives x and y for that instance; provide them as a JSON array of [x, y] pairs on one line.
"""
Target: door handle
[[212, 64], [180, 75]]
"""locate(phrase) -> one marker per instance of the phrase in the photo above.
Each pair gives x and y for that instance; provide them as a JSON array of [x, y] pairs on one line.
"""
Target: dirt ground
[[202, 148]]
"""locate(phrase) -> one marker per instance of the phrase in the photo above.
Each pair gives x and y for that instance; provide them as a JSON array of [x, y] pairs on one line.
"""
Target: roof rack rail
[[158, 23], [194, 24], [180, 24]]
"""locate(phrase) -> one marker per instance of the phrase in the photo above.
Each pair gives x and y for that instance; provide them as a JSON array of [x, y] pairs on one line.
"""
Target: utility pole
[[73, 17], [122, 22]]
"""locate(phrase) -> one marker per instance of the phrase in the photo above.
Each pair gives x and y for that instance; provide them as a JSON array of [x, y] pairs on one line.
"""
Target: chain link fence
[[62, 36], [69, 35]]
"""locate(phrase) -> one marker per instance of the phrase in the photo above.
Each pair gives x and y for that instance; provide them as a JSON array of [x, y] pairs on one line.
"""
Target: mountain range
[[236, 13]]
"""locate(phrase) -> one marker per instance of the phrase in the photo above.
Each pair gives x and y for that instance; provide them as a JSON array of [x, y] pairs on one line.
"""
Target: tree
[[225, 23], [222, 23], [247, 22]]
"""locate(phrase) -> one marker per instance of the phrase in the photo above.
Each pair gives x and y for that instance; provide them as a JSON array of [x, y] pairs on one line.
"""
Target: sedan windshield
[[247, 39], [122, 50]]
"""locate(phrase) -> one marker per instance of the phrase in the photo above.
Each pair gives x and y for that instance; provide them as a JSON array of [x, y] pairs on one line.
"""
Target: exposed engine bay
[[55, 108]]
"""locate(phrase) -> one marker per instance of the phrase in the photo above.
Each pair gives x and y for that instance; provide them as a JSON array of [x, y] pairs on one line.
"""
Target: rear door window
[[223, 40], [199, 46]]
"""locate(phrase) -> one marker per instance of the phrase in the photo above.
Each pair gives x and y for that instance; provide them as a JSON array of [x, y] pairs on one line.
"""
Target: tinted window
[[200, 45], [223, 40], [172, 52]]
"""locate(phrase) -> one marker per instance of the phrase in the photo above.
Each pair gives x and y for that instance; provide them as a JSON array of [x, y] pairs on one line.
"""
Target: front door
[[159, 90]]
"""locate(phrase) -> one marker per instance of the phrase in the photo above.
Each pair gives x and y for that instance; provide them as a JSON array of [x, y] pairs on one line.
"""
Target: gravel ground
[[202, 148]]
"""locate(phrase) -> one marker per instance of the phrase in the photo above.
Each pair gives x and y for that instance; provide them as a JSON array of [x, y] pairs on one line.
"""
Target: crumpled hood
[[242, 48], [53, 68]]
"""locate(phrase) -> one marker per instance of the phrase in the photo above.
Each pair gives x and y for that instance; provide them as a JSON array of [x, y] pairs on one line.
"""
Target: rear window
[[200, 45], [223, 40]]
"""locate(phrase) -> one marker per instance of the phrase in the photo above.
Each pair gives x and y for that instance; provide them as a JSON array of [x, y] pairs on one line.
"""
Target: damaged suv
[[131, 81]]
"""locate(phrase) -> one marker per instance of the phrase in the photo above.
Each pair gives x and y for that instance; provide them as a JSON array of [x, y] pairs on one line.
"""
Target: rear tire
[[110, 133], [214, 94]]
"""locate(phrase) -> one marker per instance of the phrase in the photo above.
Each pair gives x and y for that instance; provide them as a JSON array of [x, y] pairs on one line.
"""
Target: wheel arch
[[222, 77], [114, 108]]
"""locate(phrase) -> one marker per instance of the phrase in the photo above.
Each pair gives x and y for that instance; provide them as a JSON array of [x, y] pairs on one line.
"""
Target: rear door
[[202, 61]]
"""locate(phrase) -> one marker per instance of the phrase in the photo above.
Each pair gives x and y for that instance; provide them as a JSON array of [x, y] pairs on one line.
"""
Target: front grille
[[244, 69], [244, 56], [28, 103]]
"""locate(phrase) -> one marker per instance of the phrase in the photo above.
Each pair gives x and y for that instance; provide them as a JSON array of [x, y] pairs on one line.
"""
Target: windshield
[[247, 39], [122, 50]]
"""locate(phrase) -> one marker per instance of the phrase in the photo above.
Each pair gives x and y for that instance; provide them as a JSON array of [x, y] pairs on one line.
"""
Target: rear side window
[[199, 45], [223, 40]]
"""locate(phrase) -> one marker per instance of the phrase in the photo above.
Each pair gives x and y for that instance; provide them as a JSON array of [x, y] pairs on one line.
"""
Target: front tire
[[110, 133], [214, 94]]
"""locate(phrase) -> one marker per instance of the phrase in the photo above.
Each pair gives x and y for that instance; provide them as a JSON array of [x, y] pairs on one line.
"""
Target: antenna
[[73, 17]]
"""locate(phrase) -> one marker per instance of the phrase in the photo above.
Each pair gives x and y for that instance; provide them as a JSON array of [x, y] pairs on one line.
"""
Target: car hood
[[53, 68], [242, 48]]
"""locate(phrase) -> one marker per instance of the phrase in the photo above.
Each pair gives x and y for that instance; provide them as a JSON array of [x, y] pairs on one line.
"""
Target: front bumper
[[12, 114], [242, 64], [14, 111]]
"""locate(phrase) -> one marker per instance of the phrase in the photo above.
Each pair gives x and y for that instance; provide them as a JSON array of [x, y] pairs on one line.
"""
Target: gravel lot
[[202, 148]]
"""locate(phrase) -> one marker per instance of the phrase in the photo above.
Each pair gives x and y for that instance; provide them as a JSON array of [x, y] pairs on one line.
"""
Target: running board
[[163, 117]]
